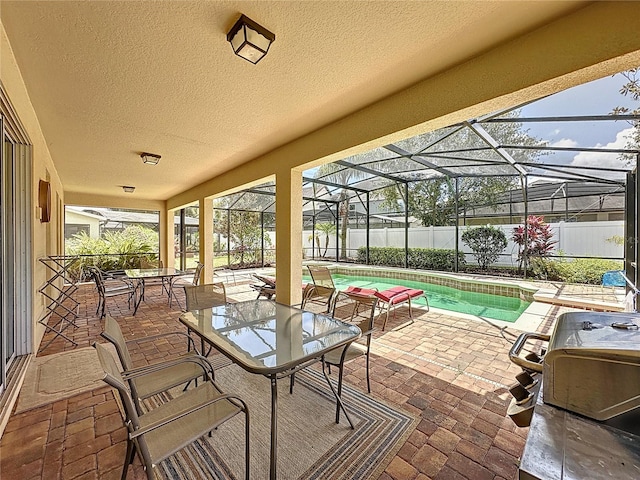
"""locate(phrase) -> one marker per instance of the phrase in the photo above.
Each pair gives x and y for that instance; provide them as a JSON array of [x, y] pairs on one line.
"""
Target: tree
[[327, 229], [244, 235], [487, 243], [631, 89], [538, 241], [433, 200], [340, 175]]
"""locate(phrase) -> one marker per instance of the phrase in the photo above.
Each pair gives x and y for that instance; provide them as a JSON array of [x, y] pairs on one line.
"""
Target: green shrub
[[487, 243], [420, 258], [580, 270], [114, 250]]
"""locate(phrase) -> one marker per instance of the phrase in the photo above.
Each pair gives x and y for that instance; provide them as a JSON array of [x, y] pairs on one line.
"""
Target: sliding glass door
[[16, 205], [7, 274]]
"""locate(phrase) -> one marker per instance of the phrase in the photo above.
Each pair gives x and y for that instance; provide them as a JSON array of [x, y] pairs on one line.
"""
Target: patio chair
[[113, 288], [265, 289], [145, 263], [321, 275], [225, 275], [160, 376], [205, 296], [318, 294], [181, 282], [364, 320], [174, 424]]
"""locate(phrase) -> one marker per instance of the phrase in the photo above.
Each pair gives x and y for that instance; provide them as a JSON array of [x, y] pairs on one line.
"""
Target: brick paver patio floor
[[451, 373]]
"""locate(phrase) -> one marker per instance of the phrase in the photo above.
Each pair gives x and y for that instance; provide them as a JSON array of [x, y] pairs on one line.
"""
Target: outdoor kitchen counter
[[565, 446]]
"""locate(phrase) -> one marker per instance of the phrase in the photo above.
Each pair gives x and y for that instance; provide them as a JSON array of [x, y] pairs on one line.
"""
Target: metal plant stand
[[59, 290]]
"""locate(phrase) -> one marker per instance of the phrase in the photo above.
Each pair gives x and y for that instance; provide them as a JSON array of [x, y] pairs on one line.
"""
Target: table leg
[[138, 299], [274, 429], [172, 295]]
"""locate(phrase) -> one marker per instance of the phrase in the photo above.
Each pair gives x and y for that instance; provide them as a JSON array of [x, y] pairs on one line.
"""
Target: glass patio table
[[267, 338], [141, 274]]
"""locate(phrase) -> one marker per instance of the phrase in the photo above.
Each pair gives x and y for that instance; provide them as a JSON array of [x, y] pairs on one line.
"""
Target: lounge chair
[[387, 299], [267, 287], [396, 296]]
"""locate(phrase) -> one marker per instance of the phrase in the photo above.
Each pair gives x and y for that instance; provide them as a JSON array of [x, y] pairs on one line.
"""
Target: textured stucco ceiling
[[110, 79]]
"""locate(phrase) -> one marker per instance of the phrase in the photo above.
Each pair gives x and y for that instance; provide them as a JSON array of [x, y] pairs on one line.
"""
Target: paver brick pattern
[[449, 372]]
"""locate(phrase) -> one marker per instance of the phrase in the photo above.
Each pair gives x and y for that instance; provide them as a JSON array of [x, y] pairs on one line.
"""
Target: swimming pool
[[497, 307]]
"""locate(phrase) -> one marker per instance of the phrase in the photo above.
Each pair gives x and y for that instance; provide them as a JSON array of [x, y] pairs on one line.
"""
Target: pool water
[[496, 307]]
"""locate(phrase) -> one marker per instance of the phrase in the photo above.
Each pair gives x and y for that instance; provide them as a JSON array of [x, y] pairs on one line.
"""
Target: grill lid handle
[[514, 353]]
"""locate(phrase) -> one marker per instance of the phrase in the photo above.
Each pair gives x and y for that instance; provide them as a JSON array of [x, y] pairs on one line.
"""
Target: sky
[[599, 97]]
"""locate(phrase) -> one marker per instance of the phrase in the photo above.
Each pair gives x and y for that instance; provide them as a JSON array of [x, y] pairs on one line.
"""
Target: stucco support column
[[167, 251], [289, 236], [206, 238], [162, 235]]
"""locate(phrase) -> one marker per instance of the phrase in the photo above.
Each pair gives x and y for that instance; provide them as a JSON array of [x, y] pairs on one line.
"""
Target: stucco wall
[[46, 237]]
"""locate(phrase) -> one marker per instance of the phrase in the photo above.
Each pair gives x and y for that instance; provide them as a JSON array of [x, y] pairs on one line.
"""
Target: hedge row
[[580, 270], [420, 258]]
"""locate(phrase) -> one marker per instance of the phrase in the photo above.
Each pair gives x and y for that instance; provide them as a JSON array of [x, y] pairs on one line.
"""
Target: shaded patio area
[[451, 373]]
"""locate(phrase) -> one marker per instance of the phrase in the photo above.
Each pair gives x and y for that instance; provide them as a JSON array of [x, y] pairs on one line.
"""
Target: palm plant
[[341, 175], [327, 229]]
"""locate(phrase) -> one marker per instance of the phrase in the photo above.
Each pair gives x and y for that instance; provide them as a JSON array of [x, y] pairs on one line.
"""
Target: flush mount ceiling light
[[150, 158], [128, 189], [250, 40]]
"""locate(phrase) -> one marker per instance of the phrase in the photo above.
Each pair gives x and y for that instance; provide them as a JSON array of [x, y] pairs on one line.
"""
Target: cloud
[[604, 160], [555, 132], [565, 142]]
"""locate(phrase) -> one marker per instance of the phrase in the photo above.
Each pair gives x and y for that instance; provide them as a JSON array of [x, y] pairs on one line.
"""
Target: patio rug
[[62, 375], [310, 444]]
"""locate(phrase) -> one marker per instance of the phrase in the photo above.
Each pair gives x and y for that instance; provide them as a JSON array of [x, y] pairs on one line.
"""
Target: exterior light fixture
[[150, 158], [128, 189], [250, 40]]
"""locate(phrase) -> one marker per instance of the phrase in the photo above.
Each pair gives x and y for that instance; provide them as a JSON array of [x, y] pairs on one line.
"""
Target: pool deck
[[449, 371]]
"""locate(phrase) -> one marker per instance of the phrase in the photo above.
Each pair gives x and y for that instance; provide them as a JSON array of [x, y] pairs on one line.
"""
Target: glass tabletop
[[152, 272], [266, 337]]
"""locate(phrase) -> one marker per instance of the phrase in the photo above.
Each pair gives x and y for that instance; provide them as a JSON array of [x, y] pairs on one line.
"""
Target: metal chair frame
[[174, 424], [124, 287]]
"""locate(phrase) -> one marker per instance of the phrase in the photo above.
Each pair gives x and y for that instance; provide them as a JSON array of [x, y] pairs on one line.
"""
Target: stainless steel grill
[[579, 391]]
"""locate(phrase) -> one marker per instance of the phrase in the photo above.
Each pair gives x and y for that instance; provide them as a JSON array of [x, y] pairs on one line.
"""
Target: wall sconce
[[250, 40], [150, 158], [128, 189], [44, 201]]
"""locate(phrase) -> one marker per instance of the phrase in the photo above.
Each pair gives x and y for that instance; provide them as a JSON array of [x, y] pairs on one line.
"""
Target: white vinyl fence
[[574, 239]]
